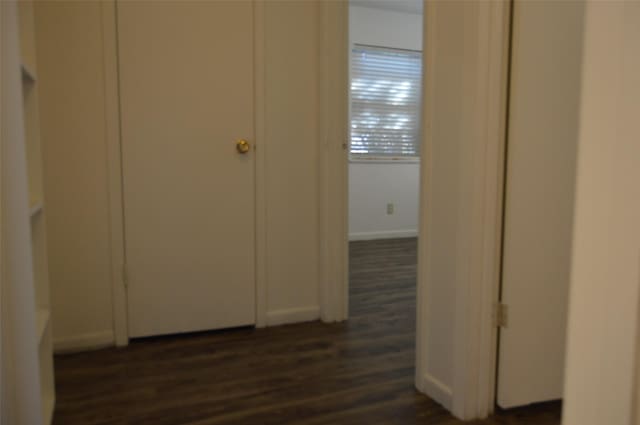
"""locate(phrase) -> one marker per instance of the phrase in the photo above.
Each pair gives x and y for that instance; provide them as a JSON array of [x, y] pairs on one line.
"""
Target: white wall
[[292, 197], [372, 185], [605, 279], [70, 50], [386, 28], [73, 134]]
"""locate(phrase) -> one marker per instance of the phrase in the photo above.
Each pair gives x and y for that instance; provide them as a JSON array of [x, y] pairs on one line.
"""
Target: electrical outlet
[[390, 208]]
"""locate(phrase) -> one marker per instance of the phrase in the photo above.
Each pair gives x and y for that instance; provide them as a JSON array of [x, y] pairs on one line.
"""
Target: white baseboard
[[385, 234], [293, 315], [438, 391], [84, 342]]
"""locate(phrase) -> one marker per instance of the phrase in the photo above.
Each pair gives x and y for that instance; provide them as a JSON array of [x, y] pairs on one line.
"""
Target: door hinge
[[501, 315], [125, 276]]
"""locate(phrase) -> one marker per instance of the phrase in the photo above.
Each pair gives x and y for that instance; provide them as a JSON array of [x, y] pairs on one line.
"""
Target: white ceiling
[[406, 6]]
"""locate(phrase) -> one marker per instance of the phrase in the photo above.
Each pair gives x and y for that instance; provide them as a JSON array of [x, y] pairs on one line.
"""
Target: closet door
[[186, 81], [543, 132]]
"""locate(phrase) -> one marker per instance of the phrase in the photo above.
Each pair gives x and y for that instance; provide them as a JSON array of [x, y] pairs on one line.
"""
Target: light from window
[[385, 102]]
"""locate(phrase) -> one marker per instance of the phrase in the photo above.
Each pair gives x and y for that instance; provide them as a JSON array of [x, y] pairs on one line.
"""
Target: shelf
[[27, 74], [42, 321], [35, 208]]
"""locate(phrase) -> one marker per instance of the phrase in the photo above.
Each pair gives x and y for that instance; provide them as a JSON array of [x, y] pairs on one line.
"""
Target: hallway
[[359, 372]]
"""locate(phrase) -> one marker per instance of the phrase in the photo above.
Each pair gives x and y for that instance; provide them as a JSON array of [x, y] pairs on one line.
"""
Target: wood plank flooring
[[358, 372]]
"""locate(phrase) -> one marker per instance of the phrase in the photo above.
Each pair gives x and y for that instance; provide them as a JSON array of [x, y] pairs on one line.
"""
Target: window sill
[[382, 160]]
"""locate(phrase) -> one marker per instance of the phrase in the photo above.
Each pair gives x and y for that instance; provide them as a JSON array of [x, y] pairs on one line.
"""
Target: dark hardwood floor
[[358, 372]]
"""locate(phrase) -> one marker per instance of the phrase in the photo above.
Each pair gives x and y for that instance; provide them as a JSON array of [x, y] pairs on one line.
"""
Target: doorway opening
[[385, 96]]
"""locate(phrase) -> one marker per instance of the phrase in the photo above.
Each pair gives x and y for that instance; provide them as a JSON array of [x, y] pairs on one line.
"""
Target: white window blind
[[385, 102]]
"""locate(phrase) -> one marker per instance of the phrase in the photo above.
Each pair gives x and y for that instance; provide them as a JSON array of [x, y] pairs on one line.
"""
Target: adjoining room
[[385, 55]]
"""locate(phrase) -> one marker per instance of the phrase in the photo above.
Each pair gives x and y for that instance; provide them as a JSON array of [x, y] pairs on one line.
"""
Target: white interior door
[[186, 81], [545, 89]]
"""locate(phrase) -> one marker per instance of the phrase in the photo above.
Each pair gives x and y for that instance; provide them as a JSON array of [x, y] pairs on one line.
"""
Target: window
[[385, 102]]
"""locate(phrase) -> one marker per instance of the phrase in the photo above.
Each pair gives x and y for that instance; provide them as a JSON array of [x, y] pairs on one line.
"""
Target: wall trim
[[383, 234], [84, 342], [292, 315], [260, 261], [114, 172], [424, 216], [438, 391]]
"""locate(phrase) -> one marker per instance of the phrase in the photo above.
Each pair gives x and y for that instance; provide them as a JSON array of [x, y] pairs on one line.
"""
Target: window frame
[[374, 158]]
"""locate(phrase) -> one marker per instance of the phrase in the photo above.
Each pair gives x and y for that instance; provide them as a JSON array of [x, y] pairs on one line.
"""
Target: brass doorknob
[[243, 146]]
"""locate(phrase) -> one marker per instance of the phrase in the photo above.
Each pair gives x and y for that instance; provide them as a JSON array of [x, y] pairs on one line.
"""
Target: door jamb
[[114, 172], [113, 147], [471, 394], [334, 84], [477, 294], [260, 163]]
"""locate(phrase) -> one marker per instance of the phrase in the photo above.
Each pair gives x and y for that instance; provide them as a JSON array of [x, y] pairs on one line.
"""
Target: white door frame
[[477, 292], [334, 117], [472, 393], [114, 169]]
